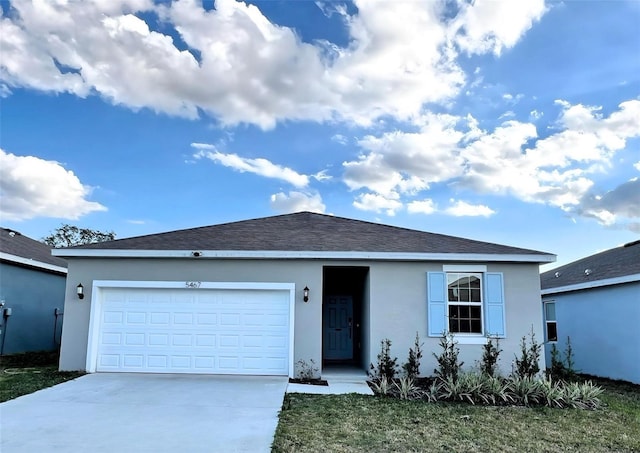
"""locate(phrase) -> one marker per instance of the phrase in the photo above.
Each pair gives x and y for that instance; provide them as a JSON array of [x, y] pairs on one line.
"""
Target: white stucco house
[[595, 301], [257, 296]]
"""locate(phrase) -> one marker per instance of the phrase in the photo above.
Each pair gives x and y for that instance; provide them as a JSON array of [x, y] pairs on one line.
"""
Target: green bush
[[412, 367], [490, 356], [386, 366], [448, 365], [562, 368], [528, 363]]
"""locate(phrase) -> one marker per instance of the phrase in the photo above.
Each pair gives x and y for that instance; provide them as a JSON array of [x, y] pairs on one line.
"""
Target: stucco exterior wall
[[394, 307], [603, 326], [32, 296], [399, 310]]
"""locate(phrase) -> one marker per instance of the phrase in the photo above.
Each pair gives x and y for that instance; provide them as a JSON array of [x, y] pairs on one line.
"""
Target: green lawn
[[358, 423], [21, 374]]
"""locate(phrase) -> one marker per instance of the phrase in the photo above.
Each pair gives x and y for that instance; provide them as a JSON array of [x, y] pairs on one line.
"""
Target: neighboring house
[[595, 302], [257, 296], [32, 288]]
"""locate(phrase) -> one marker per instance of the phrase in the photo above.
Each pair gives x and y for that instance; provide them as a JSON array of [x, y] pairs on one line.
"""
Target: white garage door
[[219, 331]]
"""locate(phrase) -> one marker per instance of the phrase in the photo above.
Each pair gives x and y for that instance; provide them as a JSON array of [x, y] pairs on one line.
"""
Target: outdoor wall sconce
[[80, 291], [306, 294]]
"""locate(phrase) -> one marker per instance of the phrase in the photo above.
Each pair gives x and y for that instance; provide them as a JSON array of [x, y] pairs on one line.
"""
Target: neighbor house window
[[464, 302], [550, 320]]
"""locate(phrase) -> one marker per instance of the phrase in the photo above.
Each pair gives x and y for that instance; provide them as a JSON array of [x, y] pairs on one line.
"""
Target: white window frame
[[467, 337]]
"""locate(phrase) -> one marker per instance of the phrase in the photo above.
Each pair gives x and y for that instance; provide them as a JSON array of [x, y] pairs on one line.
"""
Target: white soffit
[[276, 254]]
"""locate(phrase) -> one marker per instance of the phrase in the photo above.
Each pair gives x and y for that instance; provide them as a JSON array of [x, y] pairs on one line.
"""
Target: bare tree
[[70, 235]]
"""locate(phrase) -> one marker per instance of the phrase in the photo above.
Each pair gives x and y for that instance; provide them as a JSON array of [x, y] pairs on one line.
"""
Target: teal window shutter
[[437, 303], [494, 305]]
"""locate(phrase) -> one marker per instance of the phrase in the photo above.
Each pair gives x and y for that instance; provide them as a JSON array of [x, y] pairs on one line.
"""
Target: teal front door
[[337, 324]]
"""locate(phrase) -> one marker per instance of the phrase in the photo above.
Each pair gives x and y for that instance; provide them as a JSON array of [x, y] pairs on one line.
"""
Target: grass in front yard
[[21, 374], [358, 423]]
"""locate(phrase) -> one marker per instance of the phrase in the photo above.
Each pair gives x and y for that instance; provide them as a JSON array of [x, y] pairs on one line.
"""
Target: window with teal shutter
[[470, 303]]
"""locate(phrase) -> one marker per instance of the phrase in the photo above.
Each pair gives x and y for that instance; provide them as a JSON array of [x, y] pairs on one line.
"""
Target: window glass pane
[[550, 311], [464, 289], [552, 331]]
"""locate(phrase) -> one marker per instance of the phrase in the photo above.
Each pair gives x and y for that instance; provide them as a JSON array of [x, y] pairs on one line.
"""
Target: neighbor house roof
[[614, 266], [303, 235], [21, 250]]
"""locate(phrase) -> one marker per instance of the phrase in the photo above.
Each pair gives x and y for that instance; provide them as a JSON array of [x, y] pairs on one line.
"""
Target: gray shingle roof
[[613, 263], [306, 231], [16, 244]]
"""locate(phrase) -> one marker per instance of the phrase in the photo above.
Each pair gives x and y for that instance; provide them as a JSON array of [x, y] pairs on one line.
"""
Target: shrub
[[490, 356], [526, 389], [552, 393], [380, 386], [448, 365], [386, 366], [412, 367], [527, 364], [583, 395], [406, 388], [562, 369]]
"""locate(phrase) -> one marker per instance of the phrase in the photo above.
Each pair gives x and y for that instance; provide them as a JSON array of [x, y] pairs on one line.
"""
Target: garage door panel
[[194, 331]]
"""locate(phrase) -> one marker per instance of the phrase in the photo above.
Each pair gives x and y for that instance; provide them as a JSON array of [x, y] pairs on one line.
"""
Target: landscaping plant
[[386, 366], [527, 364], [448, 365], [412, 367], [490, 356], [562, 368]]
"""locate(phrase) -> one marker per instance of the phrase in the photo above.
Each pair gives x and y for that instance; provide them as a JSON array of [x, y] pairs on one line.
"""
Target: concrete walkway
[[340, 380], [157, 413]]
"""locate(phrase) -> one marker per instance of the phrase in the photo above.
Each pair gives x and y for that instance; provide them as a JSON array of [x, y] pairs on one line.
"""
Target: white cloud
[[339, 138], [32, 187], [408, 162], [461, 208], [535, 114], [491, 26], [510, 160], [259, 166], [296, 202], [426, 206], [377, 203], [637, 165], [322, 176], [400, 56]]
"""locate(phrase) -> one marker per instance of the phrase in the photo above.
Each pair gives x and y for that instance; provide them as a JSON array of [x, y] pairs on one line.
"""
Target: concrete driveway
[[145, 413]]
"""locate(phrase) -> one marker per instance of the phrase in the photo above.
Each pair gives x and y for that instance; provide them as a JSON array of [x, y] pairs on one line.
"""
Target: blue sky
[[509, 122]]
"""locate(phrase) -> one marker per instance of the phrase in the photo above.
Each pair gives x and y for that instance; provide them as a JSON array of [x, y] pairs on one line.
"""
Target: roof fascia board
[[594, 284], [261, 254], [32, 263]]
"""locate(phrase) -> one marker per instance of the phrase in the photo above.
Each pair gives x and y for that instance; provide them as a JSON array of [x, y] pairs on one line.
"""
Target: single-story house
[[258, 296], [32, 293], [595, 301]]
